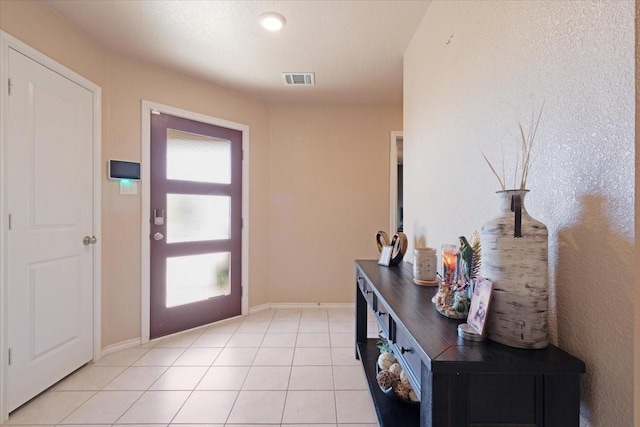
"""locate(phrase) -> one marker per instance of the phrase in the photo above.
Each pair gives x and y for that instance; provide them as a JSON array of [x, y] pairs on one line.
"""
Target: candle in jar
[[449, 262]]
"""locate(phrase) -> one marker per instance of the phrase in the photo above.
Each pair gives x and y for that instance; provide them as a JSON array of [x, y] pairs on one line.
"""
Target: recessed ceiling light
[[272, 21]]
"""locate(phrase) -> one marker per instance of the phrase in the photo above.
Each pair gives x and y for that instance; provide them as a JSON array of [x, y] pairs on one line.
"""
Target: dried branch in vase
[[524, 158]]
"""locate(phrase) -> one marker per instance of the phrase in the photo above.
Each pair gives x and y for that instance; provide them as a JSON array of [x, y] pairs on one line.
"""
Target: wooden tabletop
[[440, 347]]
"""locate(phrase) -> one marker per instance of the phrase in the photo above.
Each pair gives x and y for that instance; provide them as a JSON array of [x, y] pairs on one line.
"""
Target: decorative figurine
[[465, 257], [398, 244]]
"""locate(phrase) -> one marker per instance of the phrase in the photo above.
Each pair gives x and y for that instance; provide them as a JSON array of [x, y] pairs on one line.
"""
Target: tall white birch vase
[[516, 261]]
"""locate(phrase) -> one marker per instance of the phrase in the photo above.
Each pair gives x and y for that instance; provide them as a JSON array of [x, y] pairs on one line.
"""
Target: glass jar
[[449, 262]]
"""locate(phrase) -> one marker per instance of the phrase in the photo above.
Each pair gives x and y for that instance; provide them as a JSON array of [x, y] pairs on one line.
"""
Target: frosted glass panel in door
[[199, 158], [195, 218], [197, 277]]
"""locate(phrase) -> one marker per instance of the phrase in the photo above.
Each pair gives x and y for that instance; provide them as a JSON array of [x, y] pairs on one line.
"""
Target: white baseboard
[[302, 306], [259, 308], [122, 345]]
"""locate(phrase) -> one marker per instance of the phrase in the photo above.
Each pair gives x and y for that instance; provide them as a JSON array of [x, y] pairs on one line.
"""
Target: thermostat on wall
[[120, 169]]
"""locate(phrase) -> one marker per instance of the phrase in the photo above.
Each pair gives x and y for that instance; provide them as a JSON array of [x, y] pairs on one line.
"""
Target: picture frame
[[480, 301], [385, 255]]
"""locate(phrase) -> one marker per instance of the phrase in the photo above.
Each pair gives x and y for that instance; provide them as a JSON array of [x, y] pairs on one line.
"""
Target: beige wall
[[129, 83], [329, 196], [636, 352], [40, 28], [472, 69], [124, 84], [329, 166]]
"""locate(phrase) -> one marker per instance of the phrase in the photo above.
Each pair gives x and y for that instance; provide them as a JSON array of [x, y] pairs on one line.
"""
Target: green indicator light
[[125, 181]]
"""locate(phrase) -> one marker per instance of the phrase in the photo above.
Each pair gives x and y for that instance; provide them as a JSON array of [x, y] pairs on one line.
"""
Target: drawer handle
[[381, 313], [368, 292], [404, 350]]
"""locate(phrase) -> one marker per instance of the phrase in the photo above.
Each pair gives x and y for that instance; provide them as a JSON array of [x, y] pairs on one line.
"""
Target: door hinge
[[9, 221], [10, 84], [9, 361], [241, 223], [241, 154]]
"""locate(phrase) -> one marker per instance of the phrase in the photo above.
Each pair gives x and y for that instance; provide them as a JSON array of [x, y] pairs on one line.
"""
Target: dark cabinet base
[[461, 383], [486, 400]]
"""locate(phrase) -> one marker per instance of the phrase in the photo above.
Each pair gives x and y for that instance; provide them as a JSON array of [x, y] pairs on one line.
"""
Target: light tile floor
[[289, 368]]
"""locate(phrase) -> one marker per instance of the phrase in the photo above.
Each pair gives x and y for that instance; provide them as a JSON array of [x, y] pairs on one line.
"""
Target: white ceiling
[[354, 47]]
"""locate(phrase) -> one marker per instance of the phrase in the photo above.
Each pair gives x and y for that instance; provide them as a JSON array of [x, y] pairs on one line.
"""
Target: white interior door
[[49, 184]]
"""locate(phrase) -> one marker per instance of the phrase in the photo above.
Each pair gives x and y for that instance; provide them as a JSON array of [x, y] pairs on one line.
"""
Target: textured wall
[[637, 224], [329, 195], [472, 71]]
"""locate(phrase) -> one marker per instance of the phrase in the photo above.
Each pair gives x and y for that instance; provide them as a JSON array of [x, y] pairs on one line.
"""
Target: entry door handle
[[158, 217], [158, 236], [89, 240]]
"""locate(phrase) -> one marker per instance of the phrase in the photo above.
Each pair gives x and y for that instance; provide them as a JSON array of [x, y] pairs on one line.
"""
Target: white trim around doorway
[[9, 42], [147, 107], [393, 181]]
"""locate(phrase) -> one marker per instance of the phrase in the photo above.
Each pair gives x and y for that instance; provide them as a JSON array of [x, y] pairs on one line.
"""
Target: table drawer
[[365, 288], [383, 317], [406, 350]]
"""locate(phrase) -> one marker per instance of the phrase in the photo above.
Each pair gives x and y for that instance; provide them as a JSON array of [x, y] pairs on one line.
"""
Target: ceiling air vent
[[299, 79]]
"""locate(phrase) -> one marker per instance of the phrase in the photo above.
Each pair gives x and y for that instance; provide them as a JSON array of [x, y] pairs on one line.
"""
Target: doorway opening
[[396, 205]]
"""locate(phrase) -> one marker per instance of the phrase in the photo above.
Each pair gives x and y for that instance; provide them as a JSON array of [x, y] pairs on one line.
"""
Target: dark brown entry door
[[196, 221]]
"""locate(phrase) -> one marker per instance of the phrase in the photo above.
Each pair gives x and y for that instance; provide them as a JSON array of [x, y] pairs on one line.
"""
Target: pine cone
[[402, 390], [386, 379]]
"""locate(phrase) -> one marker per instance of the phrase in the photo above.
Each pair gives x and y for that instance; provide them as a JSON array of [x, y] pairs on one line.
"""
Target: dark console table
[[460, 383]]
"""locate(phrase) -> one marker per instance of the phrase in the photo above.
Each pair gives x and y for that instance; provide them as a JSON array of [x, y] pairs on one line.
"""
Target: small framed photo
[[385, 255], [480, 300]]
